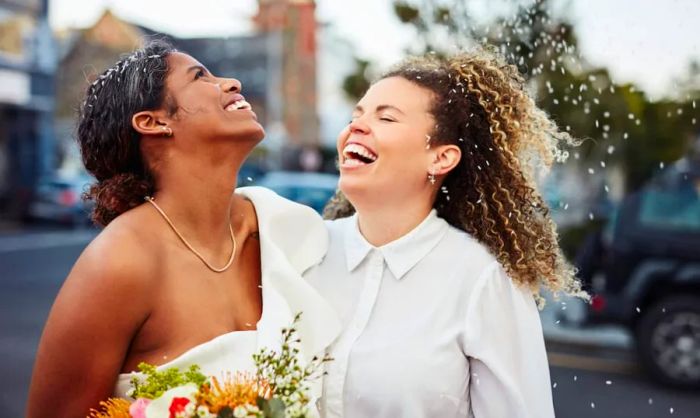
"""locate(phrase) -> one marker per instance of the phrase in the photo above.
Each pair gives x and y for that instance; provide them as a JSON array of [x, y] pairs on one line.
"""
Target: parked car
[[644, 269], [59, 199], [311, 189]]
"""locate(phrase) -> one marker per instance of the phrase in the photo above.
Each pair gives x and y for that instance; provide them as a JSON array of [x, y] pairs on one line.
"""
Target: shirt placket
[[339, 367]]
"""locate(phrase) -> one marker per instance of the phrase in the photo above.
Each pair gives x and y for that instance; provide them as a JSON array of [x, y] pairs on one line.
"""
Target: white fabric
[[292, 239], [432, 327]]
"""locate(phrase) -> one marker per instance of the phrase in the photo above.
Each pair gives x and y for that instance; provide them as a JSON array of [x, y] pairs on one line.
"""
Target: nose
[[357, 126], [231, 85]]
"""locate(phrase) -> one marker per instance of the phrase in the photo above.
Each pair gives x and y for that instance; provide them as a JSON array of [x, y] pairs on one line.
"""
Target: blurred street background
[[623, 76]]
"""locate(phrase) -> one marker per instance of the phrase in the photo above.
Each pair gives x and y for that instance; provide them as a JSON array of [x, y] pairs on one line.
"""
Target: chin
[[254, 134], [354, 189]]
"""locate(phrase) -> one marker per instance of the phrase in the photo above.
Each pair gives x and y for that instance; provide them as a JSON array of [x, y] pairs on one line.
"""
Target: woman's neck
[[198, 199], [385, 223]]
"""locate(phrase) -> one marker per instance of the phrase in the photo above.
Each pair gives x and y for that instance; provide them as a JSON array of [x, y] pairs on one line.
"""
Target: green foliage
[[356, 84], [272, 408], [156, 383], [287, 377]]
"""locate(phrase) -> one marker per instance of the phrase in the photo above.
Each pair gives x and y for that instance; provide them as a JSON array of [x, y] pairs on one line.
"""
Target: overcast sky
[[645, 41]]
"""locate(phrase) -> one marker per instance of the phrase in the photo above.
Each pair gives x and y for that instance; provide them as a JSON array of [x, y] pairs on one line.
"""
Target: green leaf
[[272, 408]]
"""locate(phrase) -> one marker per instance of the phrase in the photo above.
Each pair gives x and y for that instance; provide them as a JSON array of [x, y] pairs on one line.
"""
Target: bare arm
[[99, 309]]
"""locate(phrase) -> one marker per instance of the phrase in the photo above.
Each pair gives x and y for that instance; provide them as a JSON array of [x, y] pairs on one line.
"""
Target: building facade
[[293, 23], [27, 68]]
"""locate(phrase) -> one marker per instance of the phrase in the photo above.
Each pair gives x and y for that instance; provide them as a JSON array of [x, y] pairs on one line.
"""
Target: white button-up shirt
[[433, 327]]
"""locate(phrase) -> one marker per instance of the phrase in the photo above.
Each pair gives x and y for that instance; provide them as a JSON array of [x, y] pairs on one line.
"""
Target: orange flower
[[237, 390], [112, 408]]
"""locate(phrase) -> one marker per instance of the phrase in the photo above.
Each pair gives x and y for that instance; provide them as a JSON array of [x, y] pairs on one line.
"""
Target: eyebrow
[[379, 108]]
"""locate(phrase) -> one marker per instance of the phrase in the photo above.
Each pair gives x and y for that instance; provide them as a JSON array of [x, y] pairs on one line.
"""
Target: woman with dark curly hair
[[437, 274], [185, 271]]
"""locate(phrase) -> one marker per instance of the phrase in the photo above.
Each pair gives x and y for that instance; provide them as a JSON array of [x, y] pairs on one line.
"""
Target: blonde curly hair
[[481, 104]]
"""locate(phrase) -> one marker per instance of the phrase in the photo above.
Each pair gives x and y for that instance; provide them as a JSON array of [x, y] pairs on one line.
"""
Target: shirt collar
[[402, 254]]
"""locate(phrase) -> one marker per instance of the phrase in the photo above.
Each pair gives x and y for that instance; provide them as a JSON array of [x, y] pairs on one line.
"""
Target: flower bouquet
[[277, 389]]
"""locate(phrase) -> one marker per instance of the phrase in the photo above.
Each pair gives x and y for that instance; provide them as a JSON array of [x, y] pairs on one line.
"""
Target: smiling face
[[209, 107], [385, 150]]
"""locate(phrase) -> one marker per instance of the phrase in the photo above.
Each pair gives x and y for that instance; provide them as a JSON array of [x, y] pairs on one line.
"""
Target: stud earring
[[168, 131]]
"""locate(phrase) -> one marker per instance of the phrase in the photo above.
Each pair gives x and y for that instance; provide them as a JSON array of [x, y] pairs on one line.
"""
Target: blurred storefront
[[27, 67]]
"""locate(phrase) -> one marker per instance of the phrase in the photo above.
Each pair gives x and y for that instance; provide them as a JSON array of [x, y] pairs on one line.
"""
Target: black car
[[644, 271]]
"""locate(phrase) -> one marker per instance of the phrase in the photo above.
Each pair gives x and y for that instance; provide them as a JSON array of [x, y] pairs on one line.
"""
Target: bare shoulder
[[125, 253], [99, 309]]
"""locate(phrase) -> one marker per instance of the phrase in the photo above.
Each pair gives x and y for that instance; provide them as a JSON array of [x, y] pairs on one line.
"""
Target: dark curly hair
[[109, 145], [480, 103]]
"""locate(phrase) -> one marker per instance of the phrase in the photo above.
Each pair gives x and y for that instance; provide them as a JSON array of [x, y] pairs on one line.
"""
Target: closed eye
[[385, 119], [199, 74]]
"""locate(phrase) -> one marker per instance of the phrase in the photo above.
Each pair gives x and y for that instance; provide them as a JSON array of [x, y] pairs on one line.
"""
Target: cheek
[[342, 137], [404, 154]]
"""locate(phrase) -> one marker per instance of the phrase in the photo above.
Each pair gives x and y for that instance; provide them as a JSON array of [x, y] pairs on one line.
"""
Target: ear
[[446, 157], [150, 122]]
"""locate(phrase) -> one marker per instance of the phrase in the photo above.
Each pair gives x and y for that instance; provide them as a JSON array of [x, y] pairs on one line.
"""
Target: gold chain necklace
[[150, 200]]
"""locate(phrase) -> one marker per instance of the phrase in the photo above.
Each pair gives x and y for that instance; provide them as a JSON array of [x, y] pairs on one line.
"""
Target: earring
[[431, 176], [168, 131]]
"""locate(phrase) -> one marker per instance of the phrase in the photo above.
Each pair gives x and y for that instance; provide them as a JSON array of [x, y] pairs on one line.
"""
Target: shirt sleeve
[[504, 343]]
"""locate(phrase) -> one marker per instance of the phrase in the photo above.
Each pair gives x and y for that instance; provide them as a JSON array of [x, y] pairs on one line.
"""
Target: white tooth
[[353, 162], [360, 150]]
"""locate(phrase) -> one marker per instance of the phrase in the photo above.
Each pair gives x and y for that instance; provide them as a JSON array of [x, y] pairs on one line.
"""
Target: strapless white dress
[[293, 238]]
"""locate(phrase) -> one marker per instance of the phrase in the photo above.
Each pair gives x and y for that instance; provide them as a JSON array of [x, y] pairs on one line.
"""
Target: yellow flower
[[112, 408], [237, 390]]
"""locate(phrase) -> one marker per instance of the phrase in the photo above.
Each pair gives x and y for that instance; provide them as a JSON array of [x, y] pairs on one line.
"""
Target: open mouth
[[355, 155], [238, 104]]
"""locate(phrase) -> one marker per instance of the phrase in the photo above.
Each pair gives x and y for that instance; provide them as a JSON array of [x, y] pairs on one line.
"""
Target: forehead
[[180, 62], [399, 92]]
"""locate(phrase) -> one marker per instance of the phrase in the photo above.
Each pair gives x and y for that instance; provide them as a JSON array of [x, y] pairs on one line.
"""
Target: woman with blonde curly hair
[[437, 274]]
